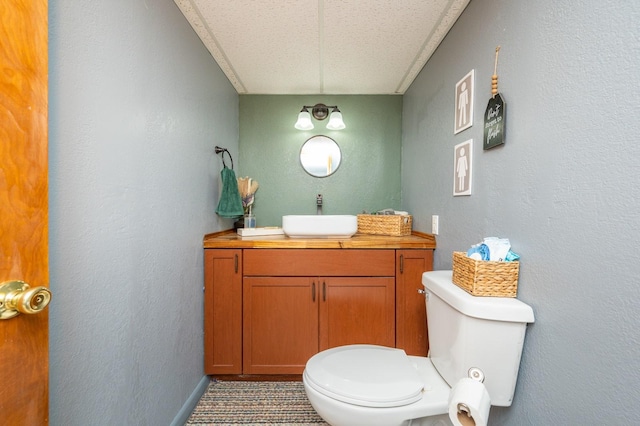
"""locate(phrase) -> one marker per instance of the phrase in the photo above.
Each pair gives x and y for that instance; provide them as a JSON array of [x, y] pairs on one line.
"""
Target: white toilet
[[380, 386]]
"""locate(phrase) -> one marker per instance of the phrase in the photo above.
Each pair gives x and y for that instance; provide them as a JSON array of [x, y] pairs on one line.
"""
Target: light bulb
[[304, 120], [335, 121]]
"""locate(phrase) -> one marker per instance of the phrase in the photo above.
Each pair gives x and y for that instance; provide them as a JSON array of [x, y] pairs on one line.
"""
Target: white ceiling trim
[[449, 16], [203, 31]]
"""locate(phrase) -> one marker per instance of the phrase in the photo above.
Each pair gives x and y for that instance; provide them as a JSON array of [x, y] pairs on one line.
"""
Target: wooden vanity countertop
[[231, 240]]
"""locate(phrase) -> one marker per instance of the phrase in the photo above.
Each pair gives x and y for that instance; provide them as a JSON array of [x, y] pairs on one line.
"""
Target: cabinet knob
[[17, 297]]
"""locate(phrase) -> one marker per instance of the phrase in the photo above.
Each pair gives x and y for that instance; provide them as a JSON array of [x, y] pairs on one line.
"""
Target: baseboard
[[191, 402], [259, 377]]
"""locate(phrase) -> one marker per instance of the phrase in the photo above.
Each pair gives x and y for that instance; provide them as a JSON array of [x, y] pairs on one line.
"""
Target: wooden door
[[357, 310], [23, 206], [280, 324], [223, 311], [411, 312]]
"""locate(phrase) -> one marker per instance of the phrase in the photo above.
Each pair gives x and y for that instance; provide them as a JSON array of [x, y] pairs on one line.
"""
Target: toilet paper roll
[[469, 403]]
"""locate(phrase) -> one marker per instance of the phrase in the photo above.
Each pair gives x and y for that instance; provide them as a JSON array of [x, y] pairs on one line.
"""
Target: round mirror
[[320, 156]]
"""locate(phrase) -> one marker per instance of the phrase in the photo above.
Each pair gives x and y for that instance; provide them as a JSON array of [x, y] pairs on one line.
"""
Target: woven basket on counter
[[377, 224], [484, 277]]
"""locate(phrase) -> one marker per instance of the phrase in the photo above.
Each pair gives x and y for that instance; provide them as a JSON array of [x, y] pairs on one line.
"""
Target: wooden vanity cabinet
[[291, 312], [267, 311]]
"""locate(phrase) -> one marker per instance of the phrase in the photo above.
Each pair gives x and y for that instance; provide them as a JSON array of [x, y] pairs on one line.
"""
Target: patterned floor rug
[[254, 403]]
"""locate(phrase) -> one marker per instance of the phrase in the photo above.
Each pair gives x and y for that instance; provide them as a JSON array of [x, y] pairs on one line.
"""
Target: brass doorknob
[[17, 297]]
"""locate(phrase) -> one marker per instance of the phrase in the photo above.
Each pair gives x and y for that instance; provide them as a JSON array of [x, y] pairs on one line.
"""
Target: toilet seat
[[366, 375]]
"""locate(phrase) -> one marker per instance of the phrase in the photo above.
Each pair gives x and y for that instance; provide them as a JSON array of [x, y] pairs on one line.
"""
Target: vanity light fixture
[[320, 112]]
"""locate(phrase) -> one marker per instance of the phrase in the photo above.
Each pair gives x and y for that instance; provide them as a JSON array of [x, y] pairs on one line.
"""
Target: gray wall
[[564, 188], [136, 106], [368, 177]]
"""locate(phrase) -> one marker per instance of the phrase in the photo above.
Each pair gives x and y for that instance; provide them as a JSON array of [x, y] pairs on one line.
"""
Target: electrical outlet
[[434, 224]]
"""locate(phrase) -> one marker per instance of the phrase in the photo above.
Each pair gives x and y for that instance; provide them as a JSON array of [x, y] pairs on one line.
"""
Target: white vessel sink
[[319, 226]]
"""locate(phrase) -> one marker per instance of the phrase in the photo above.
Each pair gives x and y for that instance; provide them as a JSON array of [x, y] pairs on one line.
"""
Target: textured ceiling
[[321, 46]]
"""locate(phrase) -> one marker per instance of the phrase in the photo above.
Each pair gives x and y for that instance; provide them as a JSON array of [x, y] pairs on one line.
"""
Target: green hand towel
[[230, 204]]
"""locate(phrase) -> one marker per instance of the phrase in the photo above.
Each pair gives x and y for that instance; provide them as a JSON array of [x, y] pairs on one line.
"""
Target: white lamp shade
[[304, 121], [335, 121]]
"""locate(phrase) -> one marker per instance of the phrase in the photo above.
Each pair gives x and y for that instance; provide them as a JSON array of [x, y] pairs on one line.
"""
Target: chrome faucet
[[319, 204]]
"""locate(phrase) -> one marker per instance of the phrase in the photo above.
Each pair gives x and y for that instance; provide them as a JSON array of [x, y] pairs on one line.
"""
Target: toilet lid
[[367, 375]]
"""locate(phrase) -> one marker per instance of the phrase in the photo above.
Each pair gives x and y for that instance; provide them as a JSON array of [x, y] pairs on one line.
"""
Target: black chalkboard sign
[[494, 122]]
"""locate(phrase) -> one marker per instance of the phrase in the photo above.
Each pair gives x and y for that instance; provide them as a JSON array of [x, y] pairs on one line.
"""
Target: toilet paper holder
[[476, 374]]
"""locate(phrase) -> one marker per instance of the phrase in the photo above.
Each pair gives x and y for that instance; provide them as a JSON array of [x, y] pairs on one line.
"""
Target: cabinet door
[[222, 311], [411, 312], [280, 329], [357, 310]]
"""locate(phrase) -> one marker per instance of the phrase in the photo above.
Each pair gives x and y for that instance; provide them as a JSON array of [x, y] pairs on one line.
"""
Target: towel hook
[[223, 150]]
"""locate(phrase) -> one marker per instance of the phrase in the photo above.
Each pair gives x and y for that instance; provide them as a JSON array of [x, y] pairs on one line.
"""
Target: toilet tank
[[467, 331]]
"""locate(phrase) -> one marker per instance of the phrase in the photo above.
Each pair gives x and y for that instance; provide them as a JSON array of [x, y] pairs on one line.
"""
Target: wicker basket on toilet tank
[[485, 277]]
